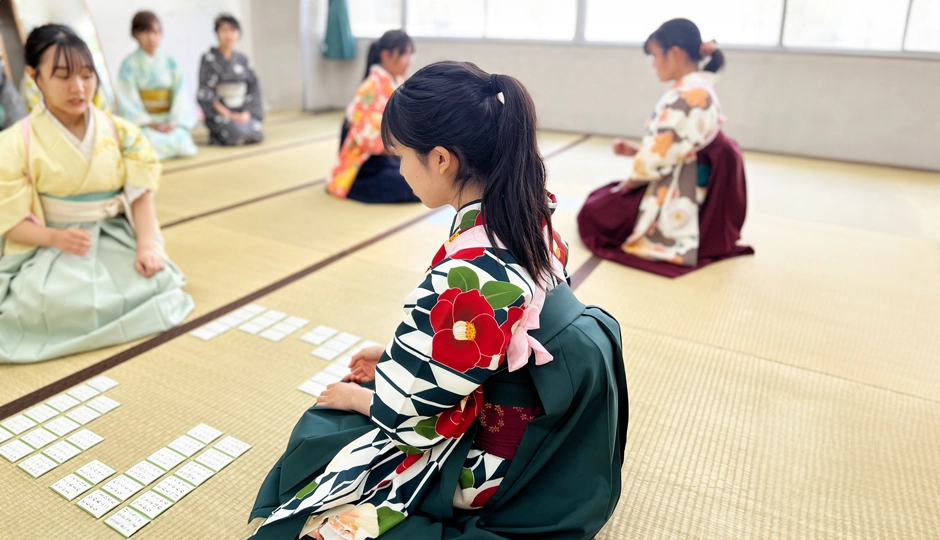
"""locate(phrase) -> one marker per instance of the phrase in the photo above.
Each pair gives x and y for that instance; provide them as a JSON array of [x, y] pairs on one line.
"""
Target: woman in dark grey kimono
[[11, 108], [229, 92]]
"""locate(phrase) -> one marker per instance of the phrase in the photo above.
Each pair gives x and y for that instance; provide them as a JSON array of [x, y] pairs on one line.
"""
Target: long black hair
[[393, 40], [455, 105], [67, 45], [684, 34]]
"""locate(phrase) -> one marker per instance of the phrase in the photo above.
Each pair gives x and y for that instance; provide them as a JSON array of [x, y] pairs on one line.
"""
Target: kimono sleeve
[[254, 103], [181, 108], [208, 81], [143, 169], [365, 120], [428, 383], [675, 132], [128, 95], [16, 193]]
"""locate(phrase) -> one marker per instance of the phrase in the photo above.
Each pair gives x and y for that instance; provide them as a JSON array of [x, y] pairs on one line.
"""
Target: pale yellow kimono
[[63, 304]]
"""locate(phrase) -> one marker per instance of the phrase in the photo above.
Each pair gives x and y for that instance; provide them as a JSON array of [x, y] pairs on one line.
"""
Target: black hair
[[225, 18], [393, 40], [684, 34], [455, 105], [143, 21], [68, 45]]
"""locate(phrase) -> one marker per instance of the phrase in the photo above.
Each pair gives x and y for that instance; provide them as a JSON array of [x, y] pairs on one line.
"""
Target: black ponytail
[[455, 105], [393, 40], [67, 45], [684, 34]]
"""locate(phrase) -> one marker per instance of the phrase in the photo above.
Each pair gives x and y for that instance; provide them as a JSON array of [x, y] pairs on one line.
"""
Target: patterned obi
[[156, 100], [232, 94], [510, 402]]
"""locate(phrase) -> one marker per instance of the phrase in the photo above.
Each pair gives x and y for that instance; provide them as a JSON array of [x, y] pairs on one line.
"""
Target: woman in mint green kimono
[[151, 95], [499, 409]]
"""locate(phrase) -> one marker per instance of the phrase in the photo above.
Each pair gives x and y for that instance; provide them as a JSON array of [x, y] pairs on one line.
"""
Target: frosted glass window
[[845, 24], [923, 30], [740, 22], [532, 19], [372, 18], [446, 18]]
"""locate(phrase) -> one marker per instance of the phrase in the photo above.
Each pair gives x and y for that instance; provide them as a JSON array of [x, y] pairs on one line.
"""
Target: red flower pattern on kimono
[[455, 421], [466, 334], [484, 497], [410, 460]]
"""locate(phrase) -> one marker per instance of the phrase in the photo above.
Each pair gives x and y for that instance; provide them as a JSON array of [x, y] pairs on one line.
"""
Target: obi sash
[[86, 208], [232, 94], [156, 100]]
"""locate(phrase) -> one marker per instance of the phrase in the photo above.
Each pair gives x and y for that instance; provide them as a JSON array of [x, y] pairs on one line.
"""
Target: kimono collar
[[698, 78], [84, 146], [383, 74], [469, 212]]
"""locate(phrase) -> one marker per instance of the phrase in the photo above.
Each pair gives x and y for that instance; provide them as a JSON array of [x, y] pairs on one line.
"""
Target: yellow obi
[[156, 100]]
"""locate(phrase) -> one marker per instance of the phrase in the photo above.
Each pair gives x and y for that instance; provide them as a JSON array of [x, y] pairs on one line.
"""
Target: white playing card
[[232, 320], [5, 435], [347, 338], [85, 439], [126, 522], [325, 379], [62, 402], [217, 327], [83, 414], [273, 335], [98, 503], [194, 473], [203, 333], [325, 353], [62, 426], [296, 322], [312, 388], [15, 450], [18, 424], [214, 459], [313, 339], [38, 438], [151, 504], [103, 404], [334, 345], [205, 434], [102, 383], [272, 315], [166, 459], [37, 465], [94, 472], [186, 445], [251, 328], [173, 488], [232, 446], [339, 369], [82, 392], [145, 472], [62, 451], [41, 413], [70, 487], [122, 486]]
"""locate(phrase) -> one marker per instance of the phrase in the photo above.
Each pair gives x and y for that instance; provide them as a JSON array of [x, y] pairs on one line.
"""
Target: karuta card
[[251, 328], [83, 414], [204, 434], [85, 439], [296, 322], [70, 487], [41, 413], [121, 487], [273, 335], [62, 451], [126, 521], [173, 488], [62, 402], [94, 472], [102, 383], [166, 459], [326, 353], [337, 369], [194, 473], [15, 450], [82, 392], [151, 504], [232, 446], [103, 404], [62, 426], [311, 388], [145, 472], [37, 465], [5, 435], [186, 445], [38, 438], [214, 459], [217, 327], [98, 503], [203, 333], [18, 424]]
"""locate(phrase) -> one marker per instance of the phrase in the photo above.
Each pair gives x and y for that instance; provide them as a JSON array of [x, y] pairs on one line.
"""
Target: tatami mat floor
[[793, 394]]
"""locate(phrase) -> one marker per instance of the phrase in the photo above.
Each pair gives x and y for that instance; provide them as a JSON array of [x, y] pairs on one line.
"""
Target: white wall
[[277, 52], [866, 109]]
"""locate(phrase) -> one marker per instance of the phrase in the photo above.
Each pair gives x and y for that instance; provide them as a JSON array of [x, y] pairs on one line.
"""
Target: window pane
[[742, 22], [845, 24], [923, 32], [446, 18], [532, 19], [372, 18]]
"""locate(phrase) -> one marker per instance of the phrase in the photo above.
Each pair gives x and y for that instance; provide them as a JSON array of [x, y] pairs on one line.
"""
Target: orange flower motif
[[661, 195], [662, 143], [695, 97]]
